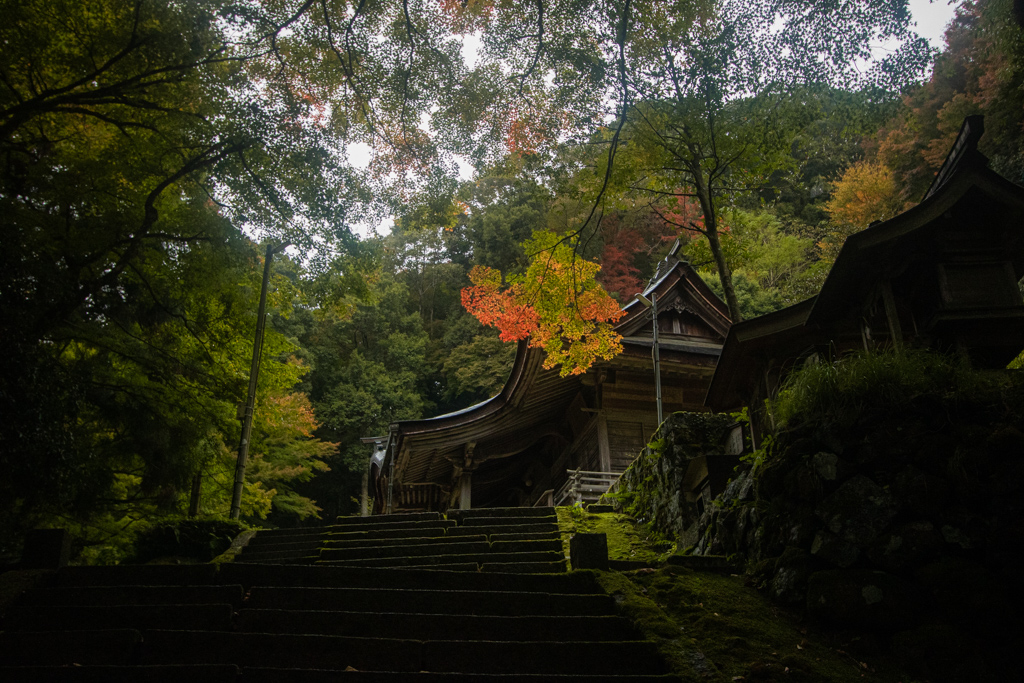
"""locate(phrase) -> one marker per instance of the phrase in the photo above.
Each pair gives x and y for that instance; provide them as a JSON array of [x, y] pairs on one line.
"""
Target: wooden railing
[[584, 487], [419, 496]]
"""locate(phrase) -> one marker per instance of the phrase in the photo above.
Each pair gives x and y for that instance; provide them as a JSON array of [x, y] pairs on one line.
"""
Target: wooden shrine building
[[943, 275], [524, 446]]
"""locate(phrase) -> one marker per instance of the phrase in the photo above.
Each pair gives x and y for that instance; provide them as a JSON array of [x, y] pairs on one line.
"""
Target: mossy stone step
[[530, 546], [284, 556], [526, 536], [447, 546], [255, 675], [552, 567], [265, 543], [356, 520], [202, 673], [136, 575], [382, 654], [308, 532], [515, 522], [133, 595], [279, 650], [414, 532], [451, 558], [78, 617], [503, 529], [383, 524], [374, 543], [577, 658], [427, 626], [421, 601], [99, 646], [500, 512], [326, 576], [442, 546]]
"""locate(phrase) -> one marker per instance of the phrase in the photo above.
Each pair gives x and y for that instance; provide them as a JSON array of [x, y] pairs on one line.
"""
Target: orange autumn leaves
[[557, 303]]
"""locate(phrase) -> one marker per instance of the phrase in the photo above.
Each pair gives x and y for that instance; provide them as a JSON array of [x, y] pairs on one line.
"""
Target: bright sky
[[931, 17]]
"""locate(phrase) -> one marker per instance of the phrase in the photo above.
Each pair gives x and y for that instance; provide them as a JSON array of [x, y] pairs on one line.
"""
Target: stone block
[[850, 598], [858, 511], [588, 551]]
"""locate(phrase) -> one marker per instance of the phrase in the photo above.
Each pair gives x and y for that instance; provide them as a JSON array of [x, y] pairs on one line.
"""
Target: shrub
[[199, 539]]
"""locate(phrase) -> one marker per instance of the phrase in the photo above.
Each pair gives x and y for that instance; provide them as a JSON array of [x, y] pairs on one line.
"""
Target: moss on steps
[[627, 540], [712, 627]]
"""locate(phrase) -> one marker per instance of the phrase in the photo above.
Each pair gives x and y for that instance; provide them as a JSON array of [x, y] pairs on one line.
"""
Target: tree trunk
[[707, 207]]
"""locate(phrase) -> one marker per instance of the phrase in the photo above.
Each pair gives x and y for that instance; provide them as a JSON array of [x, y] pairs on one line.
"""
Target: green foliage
[[199, 540], [753, 299], [844, 390]]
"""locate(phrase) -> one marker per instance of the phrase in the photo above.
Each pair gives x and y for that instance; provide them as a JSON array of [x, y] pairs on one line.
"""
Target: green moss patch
[[713, 628], [627, 540]]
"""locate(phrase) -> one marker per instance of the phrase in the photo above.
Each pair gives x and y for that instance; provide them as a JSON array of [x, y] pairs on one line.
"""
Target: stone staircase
[[488, 539], [460, 599]]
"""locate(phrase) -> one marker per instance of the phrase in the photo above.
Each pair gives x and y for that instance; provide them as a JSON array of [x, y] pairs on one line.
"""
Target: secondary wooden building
[[943, 275], [541, 433]]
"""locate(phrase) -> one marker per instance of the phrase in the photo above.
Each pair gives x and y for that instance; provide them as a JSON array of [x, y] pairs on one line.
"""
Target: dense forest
[[150, 152]]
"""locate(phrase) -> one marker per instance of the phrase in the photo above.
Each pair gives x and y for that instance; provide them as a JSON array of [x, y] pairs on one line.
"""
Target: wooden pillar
[[466, 480], [892, 316], [604, 450], [465, 490]]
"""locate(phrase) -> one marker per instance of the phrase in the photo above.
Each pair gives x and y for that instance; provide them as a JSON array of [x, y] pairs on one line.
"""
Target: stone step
[[387, 523], [554, 567], [327, 576], [277, 556], [199, 673], [452, 558], [288, 560], [502, 546], [136, 575], [501, 512], [504, 529], [427, 626], [441, 546], [308, 532], [373, 534], [427, 546], [402, 516], [83, 617], [378, 542], [382, 654], [134, 595], [519, 522], [283, 543], [228, 673], [102, 646], [256, 675], [423, 601], [526, 536]]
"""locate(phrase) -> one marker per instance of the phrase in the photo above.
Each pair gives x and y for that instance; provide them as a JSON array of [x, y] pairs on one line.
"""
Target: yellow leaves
[[557, 303], [866, 192]]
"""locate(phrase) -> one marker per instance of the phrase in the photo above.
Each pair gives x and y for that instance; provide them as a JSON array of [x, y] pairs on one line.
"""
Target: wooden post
[[254, 375], [892, 316], [604, 450], [197, 487], [465, 490]]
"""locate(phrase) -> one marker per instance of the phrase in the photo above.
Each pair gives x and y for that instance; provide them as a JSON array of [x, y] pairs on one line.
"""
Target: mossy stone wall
[[652, 490]]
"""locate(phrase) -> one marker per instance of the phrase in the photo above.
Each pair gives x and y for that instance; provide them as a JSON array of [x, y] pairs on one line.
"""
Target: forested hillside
[[149, 154]]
